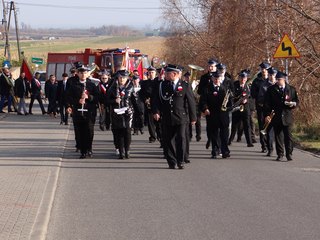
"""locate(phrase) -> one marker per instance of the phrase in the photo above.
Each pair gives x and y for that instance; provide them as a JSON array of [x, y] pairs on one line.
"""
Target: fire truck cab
[[110, 59]]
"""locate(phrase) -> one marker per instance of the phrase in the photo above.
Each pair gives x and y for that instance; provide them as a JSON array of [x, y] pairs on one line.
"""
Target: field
[[152, 46]]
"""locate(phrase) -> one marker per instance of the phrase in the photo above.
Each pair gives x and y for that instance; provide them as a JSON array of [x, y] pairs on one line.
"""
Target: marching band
[[169, 105]]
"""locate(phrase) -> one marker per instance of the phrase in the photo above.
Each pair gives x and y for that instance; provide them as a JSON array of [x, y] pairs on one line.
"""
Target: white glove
[[290, 104]]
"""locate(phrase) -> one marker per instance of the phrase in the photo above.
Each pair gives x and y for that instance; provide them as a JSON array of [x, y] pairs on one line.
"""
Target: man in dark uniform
[[61, 96], [281, 98], [241, 108], [81, 101], [170, 103], [204, 82], [255, 87], [146, 93], [261, 97], [36, 93], [74, 78], [211, 102]]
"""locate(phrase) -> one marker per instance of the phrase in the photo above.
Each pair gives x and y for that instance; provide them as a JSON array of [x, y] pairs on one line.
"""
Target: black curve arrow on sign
[[284, 48]]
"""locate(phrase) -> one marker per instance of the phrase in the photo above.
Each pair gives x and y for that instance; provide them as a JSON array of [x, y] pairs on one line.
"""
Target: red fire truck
[[110, 59]]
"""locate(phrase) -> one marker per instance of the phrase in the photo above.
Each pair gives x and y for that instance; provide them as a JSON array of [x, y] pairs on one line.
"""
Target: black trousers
[[237, 119], [188, 139], [52, 106], [84, 128], [263, 138], [174, 143], [63, 113], [38, 98], [220, 136], [283, 136], [122, 139], [151, 126], [197, 126]]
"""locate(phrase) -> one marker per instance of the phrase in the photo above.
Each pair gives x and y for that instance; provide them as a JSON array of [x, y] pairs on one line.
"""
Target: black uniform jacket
[[241, 95], [35, 90], [147, 88], [74, 93], [204, 82], [275, 100], [21, 90], [120, 120], [5, 86], [176, 106], [61, 92], [212, 100]]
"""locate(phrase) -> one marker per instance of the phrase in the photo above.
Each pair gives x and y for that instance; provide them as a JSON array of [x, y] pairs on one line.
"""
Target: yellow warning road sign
[[286, 49]]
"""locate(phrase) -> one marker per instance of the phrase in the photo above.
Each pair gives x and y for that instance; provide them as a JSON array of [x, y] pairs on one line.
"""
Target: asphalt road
[[247, 196]]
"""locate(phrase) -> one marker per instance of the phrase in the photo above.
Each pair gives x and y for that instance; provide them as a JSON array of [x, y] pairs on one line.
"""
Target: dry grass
[[152, 46]]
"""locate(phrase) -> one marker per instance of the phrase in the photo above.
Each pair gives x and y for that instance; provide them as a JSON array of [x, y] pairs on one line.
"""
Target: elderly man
[[6, 88], [170, 102], [280, 99]]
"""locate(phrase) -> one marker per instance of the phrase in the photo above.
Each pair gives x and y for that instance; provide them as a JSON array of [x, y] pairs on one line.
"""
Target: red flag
[[140, 70], [25, 68]]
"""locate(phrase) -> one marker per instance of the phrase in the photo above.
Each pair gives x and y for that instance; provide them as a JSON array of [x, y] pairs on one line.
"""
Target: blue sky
[[72, 13]]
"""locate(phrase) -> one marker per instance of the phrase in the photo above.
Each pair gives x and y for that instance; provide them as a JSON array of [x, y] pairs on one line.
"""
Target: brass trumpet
[[266, 125], [225, 101]]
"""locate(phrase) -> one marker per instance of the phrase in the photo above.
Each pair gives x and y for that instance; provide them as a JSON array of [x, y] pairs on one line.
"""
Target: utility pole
[[6, 31], [13, 8]]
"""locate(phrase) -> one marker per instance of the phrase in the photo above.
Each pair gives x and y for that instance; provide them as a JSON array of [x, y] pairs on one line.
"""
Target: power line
[[88, 7]]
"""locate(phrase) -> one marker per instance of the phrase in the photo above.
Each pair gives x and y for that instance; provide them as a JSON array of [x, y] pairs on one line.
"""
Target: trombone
[[266, 125]]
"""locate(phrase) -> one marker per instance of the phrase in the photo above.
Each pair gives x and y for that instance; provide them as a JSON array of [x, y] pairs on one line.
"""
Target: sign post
[[286, 49]]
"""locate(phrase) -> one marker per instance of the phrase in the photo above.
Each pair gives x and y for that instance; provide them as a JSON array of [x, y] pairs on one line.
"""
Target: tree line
[[244, 33]]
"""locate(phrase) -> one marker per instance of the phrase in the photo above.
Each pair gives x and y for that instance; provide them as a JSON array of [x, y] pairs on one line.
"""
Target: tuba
[[194, 69]]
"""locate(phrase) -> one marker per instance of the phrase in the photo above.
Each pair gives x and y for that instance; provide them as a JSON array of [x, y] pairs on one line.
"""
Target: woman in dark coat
[[120, 100], [51, 94]]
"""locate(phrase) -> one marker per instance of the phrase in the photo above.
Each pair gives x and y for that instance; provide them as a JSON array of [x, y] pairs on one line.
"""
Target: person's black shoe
[[82, 156], [198, 138], [2, 112], [172, 167], [254, 141], [101, 127], [19, 113], [263, 150], [127, 155], [250, 145], [226, 155], [141, 131], [239, 140], [279, 159], [121, 156], [30, 113], [187, 161], [26, 114], [66, 123], [44, 113], [61, 123], [269, 154], [289, 158], [213, 156], [180, 166], [89, 154], [207, 144]]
